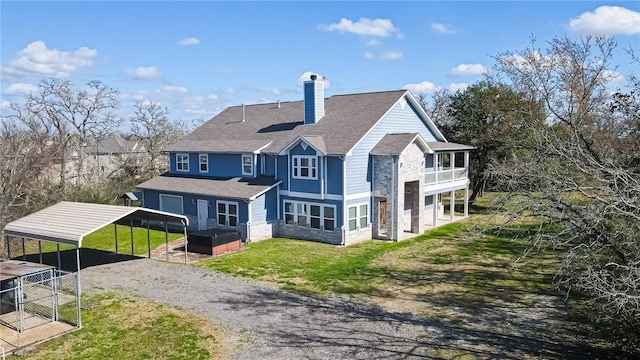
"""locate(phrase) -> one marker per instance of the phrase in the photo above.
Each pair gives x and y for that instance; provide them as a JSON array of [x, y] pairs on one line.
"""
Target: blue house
[[339, 170]]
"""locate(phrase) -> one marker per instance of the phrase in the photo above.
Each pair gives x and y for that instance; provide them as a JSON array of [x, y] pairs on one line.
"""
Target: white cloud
[[20, 88], [145, 73], [307, 76], [468, 69], [212, 97], [36, 60], [188, 41], [426, 87], [364, 26], [443, 29], [372, 42], [607, 20], [229, 91], [175, 89], [224, 70], [5, 104], [457, 86], [389, 55], [613, 77]]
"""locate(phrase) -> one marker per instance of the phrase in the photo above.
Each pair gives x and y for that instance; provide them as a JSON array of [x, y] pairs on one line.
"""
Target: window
[[182, 162], [227, 213], [171, 203], [204, 163], [247, 164], [305, 167], [358, 217], [317, 216]]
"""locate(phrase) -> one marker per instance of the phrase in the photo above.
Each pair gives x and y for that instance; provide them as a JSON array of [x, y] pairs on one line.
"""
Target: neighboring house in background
[[337, 170], [111, 155]]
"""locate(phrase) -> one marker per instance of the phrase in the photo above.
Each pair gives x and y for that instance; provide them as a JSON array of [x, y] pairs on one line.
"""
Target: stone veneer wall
[[411, 168], [306, 233], [383, 187], [263, 231], [356, 236]]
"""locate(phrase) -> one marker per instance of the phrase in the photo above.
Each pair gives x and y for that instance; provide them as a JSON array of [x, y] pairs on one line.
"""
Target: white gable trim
[[295, 142]]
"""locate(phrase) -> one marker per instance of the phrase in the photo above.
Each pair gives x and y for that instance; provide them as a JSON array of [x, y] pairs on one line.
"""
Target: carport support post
[[131, 231], [78, 289], [8, 246], [40, 250], [186, 242], [24, 252], [58, 252], [115, 234], [166, 238], [148, 240]]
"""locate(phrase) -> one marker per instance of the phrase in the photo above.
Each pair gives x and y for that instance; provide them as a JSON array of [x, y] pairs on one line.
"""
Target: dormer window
[[247, 164], [182, 162], [305, 167]]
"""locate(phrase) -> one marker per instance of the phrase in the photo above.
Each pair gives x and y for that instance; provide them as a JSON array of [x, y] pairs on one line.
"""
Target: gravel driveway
[[271, 323]]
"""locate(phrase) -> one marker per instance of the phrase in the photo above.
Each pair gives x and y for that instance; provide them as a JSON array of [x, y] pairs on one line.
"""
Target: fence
[[39, 298]]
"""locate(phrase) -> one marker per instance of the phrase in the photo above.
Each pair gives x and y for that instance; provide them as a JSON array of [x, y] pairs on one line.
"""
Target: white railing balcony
[[445, 175]]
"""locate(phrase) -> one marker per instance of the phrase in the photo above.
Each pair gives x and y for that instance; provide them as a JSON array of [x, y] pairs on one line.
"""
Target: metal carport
[[69, 222]]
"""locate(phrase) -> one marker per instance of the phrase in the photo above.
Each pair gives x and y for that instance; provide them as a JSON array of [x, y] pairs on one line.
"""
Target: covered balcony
[[448, 165]]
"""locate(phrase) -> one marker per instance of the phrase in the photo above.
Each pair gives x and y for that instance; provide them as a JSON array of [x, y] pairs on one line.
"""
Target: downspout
[[248, 221], [344, 200], [393, 193]]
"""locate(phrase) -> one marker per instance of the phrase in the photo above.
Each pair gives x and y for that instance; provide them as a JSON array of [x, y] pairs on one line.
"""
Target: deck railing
[[445, 175]]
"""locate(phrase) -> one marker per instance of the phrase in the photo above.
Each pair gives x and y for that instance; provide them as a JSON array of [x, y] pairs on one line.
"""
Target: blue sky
[[199, 57]]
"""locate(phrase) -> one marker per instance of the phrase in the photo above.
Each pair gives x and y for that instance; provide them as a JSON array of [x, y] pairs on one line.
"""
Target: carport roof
[[69, 222]]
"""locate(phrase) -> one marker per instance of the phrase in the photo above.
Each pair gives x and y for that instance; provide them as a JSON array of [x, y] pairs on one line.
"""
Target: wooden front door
[[382, 217]]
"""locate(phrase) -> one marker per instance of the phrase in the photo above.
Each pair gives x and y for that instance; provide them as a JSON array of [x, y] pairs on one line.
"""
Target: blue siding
[[265, 207], [270, 165], [334, 175], [259, 209], [306, 185], [189, 204], [398, 120], [283, 172], [193, 163], [225, 164]]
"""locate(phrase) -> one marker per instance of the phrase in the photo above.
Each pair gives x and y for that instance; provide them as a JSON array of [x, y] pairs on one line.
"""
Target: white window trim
[[173, 196], [187, 162], [226, 214], [205, 163], [299, 167], [358, 217], [294, 205], [243, 165]]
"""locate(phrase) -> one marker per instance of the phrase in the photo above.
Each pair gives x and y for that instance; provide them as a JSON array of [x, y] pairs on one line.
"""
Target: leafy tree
[[489, 116], [582, 176]]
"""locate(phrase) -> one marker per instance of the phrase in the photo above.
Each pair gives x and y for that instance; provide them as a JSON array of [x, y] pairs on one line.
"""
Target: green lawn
[[122, 328], [104, 239]]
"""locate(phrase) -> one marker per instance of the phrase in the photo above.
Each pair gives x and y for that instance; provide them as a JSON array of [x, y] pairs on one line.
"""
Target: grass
[[104, 239], [120, 328]]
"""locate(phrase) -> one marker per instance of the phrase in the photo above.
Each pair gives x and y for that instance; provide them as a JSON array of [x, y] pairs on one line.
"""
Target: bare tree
[[436, 104], [71, 116], [24, 162], [151, 124], [583, 176]]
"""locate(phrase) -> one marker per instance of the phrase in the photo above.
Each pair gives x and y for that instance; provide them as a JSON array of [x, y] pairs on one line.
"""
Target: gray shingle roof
[[347, 119], [393, 144], [237, 188]]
